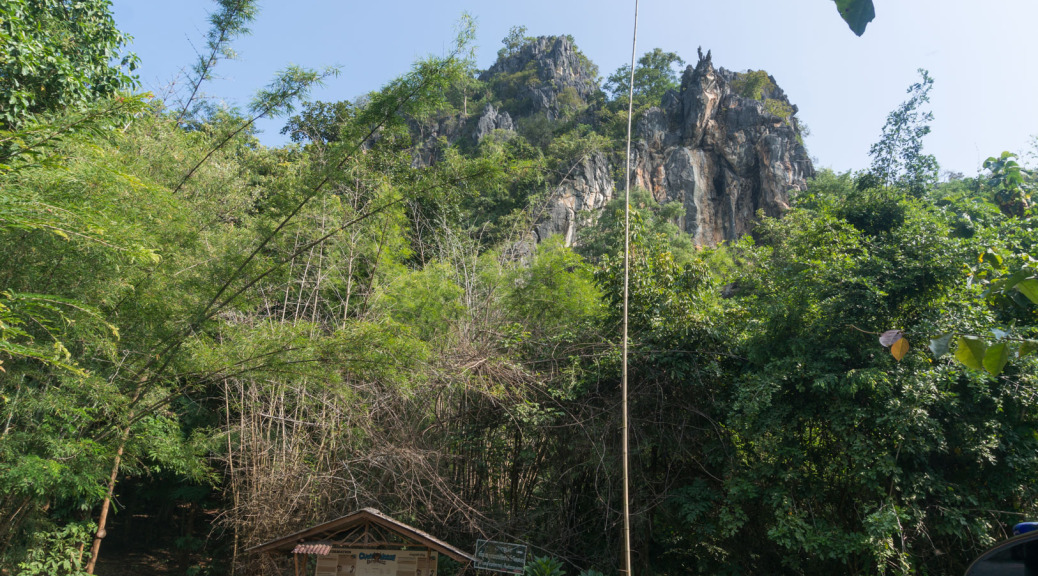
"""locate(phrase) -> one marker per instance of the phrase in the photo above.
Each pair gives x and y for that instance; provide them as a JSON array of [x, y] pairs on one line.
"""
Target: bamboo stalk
[[627, 268], [102, 520]]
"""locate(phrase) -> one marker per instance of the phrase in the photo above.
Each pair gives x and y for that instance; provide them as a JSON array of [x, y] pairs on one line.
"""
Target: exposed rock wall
[[578, 199], [723, 156], [492, 120], [561, 76], [428, 134]]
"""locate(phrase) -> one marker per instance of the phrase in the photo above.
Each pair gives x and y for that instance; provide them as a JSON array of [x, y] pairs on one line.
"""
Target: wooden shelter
[[364, 543]]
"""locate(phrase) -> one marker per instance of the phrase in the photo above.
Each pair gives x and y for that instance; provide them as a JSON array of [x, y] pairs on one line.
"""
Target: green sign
[[500, 556]]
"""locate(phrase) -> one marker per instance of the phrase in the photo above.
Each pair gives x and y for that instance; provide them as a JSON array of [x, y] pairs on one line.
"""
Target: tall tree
[[898, 159], [515, 40], [226, 24], [654, 75]]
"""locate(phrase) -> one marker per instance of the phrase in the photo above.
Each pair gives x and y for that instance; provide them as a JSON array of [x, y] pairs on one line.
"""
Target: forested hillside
[[207, 343]]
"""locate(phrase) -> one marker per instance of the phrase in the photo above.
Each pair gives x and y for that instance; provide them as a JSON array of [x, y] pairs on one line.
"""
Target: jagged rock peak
[[726, 146], [545, 75]]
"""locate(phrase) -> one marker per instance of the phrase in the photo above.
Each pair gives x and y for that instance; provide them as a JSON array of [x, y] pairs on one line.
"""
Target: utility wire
[[627, 270]]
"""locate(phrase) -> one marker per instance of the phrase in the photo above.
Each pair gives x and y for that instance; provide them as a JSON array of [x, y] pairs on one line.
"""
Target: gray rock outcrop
[[428, 135], [578, 200], [546, 75], [726, 145], [722, 155], [492, 120]]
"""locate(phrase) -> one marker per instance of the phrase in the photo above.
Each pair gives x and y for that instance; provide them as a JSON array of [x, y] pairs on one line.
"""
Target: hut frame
[[366, 528]]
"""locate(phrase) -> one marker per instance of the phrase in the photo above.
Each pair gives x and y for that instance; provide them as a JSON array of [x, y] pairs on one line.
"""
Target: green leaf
[[1027, 347], [971, 351], [857, 13], [940, 345], [993, 255], [1029, 288], [996, 357]]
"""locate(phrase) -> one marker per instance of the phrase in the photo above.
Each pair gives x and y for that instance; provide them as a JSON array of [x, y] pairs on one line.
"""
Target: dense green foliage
[[758, 85], [845, 460], [653, 76], [753, 84], [242, 341], [56, 54]]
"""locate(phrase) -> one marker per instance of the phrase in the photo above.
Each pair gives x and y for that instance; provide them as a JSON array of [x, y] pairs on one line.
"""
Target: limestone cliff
[[577, 200], [723, 155], [714, 146], [726, 145], [549, 79], [545, 76]]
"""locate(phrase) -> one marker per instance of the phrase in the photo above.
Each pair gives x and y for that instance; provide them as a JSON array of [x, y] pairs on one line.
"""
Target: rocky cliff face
[[578, 199], [545, 76], [722, 155], [453, 128], [549, 78], [492, 120], [722, 146]]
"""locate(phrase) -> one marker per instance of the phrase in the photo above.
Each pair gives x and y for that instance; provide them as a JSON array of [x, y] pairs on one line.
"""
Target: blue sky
[[981, 54]]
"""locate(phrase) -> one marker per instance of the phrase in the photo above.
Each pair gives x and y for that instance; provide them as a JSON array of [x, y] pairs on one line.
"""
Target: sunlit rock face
[[545, 78], [492, 120], [722, 147], [554, 75], [578, 200], [722, 155]]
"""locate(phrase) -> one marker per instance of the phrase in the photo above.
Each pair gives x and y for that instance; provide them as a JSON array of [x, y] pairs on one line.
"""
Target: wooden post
[[295, 561]]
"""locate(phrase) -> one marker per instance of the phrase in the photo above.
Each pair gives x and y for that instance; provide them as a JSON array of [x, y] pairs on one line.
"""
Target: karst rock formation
[[723, 154]]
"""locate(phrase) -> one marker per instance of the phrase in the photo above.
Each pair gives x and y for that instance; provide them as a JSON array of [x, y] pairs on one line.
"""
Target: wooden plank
[[327, 565]]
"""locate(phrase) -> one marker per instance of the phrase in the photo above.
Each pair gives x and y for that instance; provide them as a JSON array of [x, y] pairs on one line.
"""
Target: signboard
[[500, 556], [369, 562]]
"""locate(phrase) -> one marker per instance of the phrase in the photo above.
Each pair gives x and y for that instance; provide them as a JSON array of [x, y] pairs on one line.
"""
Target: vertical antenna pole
[[627, 271]]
